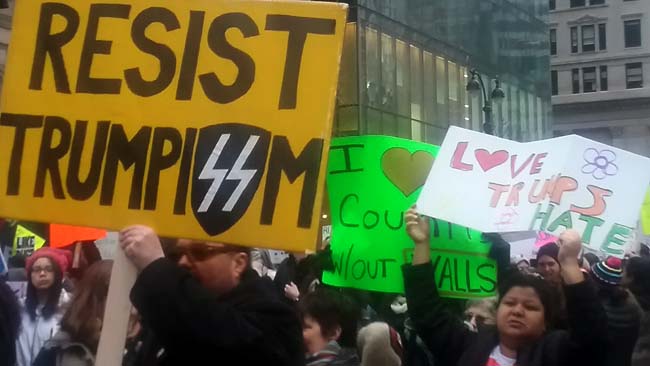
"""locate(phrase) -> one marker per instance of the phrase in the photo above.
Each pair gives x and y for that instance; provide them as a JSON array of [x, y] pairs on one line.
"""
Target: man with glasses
[[212, 307]]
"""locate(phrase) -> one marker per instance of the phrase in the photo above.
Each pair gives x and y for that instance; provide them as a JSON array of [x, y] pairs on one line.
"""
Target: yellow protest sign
[[26, 242], [205, 119], [645, 214]]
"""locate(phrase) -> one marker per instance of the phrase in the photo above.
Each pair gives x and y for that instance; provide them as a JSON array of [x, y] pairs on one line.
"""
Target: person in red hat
[[41, 313]]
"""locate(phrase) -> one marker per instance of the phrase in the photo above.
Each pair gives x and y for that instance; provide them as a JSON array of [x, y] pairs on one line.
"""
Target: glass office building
[[406, 63]]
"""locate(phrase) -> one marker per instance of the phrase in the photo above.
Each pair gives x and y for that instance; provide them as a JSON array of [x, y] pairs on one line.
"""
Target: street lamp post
[[497, 95]]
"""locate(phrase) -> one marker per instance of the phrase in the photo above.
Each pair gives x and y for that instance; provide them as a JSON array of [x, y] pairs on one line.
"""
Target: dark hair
[[88, 305], [591, 258], [9, 322], [638, 269], [170, 249], [53, 294], [644, 251], [332, 309], [17, 261], [541, 288]]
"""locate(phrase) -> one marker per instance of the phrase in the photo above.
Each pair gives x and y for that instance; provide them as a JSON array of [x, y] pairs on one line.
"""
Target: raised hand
[[417, 227], [570, 244]]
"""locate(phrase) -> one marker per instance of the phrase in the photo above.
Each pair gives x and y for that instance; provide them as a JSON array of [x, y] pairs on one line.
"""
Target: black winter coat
[[623, 323], [452, 344], [250, 325]]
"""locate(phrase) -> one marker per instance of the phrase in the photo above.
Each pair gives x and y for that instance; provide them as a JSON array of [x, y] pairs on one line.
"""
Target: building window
[[575, 77], [577, 3], [554, 89], [602, 37], [633, 33], [551, 4], [553, 36], [603, 78], [588, 38], [574, 39], [634, 75], [596, 2], [589, 79]]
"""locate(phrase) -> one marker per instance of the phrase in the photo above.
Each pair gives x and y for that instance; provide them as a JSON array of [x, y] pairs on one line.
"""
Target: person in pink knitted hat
[[42, 307]]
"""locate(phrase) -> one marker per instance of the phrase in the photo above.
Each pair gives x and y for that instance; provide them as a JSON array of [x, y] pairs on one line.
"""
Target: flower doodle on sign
[[600, 164]]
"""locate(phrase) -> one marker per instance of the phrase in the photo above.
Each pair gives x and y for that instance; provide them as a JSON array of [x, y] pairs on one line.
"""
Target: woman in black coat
[[523, 334], [9, 324]]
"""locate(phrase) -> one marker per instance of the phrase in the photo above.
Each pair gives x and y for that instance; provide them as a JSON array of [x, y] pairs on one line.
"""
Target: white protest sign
[[496, 185]]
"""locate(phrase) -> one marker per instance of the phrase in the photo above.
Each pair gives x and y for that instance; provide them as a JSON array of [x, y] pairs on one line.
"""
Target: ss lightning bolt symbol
[[219, 175]]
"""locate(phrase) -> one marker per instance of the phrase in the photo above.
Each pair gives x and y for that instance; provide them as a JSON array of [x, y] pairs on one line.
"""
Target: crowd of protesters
[[194, 302]]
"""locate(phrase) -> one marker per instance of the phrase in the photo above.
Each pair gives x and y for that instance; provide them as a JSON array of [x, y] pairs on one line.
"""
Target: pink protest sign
[[544, 238], [496, 185]]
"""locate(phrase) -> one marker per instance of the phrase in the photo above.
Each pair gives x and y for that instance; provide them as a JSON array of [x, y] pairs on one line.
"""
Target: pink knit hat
[[62, 258]]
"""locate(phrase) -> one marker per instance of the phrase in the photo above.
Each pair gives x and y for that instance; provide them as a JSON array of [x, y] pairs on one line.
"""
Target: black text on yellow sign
[[205, 119]]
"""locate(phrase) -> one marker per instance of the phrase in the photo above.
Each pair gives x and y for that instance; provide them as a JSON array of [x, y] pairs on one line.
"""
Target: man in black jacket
[[214, 310]]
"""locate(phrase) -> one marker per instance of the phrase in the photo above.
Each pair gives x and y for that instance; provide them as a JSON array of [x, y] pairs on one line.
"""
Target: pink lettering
[[457, 158], [537, 164], [498, 189], [513, 163]]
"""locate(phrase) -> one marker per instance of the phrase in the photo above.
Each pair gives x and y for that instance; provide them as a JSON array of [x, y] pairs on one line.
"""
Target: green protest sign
[[371, 181]]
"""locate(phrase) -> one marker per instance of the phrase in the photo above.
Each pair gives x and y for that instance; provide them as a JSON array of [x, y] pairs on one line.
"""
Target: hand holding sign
[[417, 227], [371, 180], [141, 245]]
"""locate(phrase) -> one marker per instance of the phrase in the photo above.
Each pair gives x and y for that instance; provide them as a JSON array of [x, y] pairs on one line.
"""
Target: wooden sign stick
[[117, 313]]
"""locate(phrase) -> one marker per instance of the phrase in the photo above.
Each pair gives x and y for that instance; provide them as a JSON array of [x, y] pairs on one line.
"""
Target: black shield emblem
[[228, 167]]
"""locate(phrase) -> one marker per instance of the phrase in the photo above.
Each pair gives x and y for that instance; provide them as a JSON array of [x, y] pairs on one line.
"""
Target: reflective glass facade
[[406, 63]]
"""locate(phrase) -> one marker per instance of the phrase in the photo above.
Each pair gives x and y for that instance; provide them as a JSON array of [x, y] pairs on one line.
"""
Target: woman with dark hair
[[76, 343], [623, 312], [523, 334], [9, 325], [329, 328], [43, 305]]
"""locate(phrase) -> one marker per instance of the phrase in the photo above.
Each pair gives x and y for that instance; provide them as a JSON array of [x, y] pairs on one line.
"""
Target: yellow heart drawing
[[406, 171]]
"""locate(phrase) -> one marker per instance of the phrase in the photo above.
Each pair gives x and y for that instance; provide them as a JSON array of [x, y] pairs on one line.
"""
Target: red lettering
[[599, 205], [563, 184], [547, 189]]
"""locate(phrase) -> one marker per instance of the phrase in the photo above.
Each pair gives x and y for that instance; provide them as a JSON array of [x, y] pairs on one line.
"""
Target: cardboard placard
[[645, 214], [371, 181], [205, 119], [26, 242], [496, 185], [64, 235]]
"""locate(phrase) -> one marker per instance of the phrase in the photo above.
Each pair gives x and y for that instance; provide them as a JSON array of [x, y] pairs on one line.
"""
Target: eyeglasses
[[46, 269], [197, 252]]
